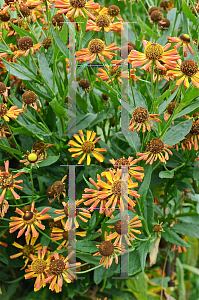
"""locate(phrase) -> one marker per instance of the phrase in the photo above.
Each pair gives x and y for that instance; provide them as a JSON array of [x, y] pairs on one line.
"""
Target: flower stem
[[32, 182]]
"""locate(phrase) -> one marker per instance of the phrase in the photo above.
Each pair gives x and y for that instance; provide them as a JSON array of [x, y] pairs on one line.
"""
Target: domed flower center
[[171, 107], [155, 146], [96, 46], [195, 127], [2, 88], [106, 248], [115, 70], [27, 250], [57, 267], [29, 97], [84, 83], [26, 208], [156, 16], [5, 17], [50, 192], [6, 181], [153, 51], [58, 20], [118, 187], [47, 42], [189, 67], [121, 162], [140, 115], [121, 227], [25, 43], [39, 146], [102, 21], [38, 266], [70, 210], [3, 110], [77, 3], [69, 235], [25, 11], [32, 157], [88, 147], [113, 11], [29, 217], [58, 187], [185, 38]]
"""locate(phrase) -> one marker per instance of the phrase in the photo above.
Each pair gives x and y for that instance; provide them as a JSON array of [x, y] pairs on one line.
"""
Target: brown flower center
[[115, 70], [121, 162], [118, 187], [156, 16], [106, 248], [46, 42], [189, 67], [113, 11], [3, 110], [2, 88], [29, 217], [50, 192], [121, 227], [102, 21], [96, 46], [185, 38], [25, 43], [58, 187], [152, 9], [77, 3], [88, 147], [171, 107], [39, 146], [69, 235], [155, 146], [153, 51], [140, 115], [38, 265], [58, 20], [57, 267], [70, 210], [195, 127], [5, 17], [84, 83], [27, 250], [6, 181], [57, 224], [25, 11]]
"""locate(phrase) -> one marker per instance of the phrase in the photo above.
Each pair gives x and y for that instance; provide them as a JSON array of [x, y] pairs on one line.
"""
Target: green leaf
[[101, 273], [190, 94], [188, 13], [180, 278], [86, 246], [57, 108], [140, 101], [143, 250], [170, 236], [44, 240], [187, 229], [138, 286], [48, 161], [191, 268], [9, 150], [88, 258], [92, 221], [86, 120], [187, 110], [20, 71], [166, 174], [21, 32], [143, 189], [146, 28], [149, 210], [134, 263], [102, 115], [30, 130], [177, 133], [62, 46]]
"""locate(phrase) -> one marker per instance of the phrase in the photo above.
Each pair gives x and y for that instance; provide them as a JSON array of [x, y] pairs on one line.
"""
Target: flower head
[[8, 182], [185, 70], [56, 190], [87, 147], [125, 228], [169, 111], [38, 268], [71, 211], [59, 270], [141, 119], [41, 147], [108, 252], [25, 45], [96, 47], [28, 220], [32, 158], [155, 147], [12, 112], [154, 53], [76, 7], [183, 39], [164, 24], [30, 98], [4, 208], [132, 170], [28, 249], [115, 72]]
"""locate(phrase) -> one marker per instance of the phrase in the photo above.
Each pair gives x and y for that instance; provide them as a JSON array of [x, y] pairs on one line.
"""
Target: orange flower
[[109, 251], [7, 182], [185, 70], [12, 112], [25, 45], [194, 132], [59, 269], [71, 212], [124, 228], [113, 189], [141, 119], [115, 72], [155, 148], [28, 220], [154, 53], [87, 147], [38, 268], [32, 158], [27, 249], [76, 6], [4, 208], [132, 170], [96, 47], [183, 39]]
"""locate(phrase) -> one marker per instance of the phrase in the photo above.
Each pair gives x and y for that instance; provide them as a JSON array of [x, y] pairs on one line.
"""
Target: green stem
[[82, 272], [32, 182]]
